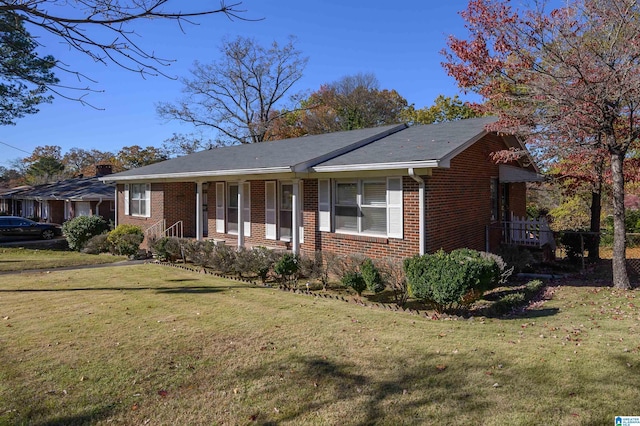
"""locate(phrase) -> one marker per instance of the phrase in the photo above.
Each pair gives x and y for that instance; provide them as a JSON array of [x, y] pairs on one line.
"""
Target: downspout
[[115, 200], [421, 212], [98, 207]]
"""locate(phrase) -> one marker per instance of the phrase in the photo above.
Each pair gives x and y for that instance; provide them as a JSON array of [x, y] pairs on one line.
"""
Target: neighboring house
[[63, 200], [387, 191]]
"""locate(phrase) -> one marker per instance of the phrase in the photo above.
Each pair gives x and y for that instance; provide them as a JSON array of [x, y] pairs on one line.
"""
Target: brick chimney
[[104, 169]]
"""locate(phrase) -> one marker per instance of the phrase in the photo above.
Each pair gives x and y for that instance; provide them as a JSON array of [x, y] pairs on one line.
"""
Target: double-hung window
[[137, 198], [363, 206]]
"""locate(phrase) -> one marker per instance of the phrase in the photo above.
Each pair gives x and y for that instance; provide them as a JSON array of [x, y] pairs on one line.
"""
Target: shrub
[[505, 270], [223, 259], [533, 287], [371, 276], [519, 258], [355, 281], [263, 260], [97, 244], [257, 261], [451, 280], [125, 239], [310, 266], [167, 249], [393, 275], [80, 229], [198, 252], [575, 243], [508, 303], [286, 268]]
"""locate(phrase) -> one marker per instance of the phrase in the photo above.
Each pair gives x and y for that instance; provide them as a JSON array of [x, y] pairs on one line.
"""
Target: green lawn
[[21, 259], [150, 344]]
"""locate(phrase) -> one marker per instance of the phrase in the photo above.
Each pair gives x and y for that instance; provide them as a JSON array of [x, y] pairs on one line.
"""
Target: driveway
[[55, 243]]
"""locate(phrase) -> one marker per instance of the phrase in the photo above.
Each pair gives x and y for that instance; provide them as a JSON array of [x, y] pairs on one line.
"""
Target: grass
[[149, 344], [21, 259]]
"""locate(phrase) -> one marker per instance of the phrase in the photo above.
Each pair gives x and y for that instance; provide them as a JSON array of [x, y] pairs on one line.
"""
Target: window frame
[[359, 204], [145, 191]]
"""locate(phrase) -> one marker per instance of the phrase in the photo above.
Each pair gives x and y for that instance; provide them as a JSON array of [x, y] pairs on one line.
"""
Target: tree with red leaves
[[568, 79]]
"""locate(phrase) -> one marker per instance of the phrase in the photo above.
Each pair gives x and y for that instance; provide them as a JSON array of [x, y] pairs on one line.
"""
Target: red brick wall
[[180, 205], [459, 199]]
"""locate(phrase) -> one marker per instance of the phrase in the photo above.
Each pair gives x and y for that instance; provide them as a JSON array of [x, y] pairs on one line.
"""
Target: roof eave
[[197, 175], [381, 166]]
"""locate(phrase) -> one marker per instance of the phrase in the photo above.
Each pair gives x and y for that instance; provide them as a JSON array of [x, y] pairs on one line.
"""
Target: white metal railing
[[159, 230], [174, 230], [529, 232]]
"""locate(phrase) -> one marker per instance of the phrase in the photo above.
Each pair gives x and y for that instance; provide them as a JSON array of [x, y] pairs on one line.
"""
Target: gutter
[[421, 210]]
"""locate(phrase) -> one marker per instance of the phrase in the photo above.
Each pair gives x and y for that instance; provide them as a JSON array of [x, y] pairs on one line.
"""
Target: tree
[[238, 94], [44, 170], [81, 161], [352, 102], [444, 108], [99, 29], [569, 78], [24, 76], [130, 157], [180, 144]]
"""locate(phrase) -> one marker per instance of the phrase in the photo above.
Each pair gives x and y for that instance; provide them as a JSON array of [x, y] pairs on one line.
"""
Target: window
[[137, 197], [232, 209], [286, 209], [494, 199], [279, 210], [371, 206], [227, 207]]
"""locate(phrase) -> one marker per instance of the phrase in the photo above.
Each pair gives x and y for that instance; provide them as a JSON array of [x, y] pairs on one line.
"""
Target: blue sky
[[400, 42]]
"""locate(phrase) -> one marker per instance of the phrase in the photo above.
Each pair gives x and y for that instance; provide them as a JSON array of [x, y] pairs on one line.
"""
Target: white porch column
[[295, 214], [198, 211], [240, 215]]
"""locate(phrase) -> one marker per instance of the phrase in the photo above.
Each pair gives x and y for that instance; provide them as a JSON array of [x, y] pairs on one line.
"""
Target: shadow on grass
[[160, 290], [334, 385]]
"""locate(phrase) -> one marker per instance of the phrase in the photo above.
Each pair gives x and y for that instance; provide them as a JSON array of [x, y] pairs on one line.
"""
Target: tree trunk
[[620, 276], [594, 239]]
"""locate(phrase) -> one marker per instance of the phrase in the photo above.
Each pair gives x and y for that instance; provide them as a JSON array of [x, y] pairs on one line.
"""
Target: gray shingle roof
[[285, 153], [380, 145], [434, 142], [74, 189]]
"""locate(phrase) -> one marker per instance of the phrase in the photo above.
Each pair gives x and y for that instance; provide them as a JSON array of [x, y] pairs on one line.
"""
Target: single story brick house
[[388, 191], [60, 201]]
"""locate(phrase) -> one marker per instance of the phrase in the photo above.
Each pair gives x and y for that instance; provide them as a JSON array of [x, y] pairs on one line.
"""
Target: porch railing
[[174, 230], [528, 232], [159, 230]]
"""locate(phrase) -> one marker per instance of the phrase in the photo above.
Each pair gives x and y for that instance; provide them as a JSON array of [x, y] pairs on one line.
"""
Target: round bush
[[97, 244], [80, 229], [451, 280], [125, 239]]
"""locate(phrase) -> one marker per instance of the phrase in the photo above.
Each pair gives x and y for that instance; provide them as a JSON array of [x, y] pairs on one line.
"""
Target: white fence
[[528, 232]]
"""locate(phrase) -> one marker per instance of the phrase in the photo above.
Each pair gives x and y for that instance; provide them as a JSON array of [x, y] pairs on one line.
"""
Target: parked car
[[14, 226]]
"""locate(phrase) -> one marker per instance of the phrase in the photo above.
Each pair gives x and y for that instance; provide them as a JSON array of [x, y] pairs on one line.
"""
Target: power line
[[11, 146]]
